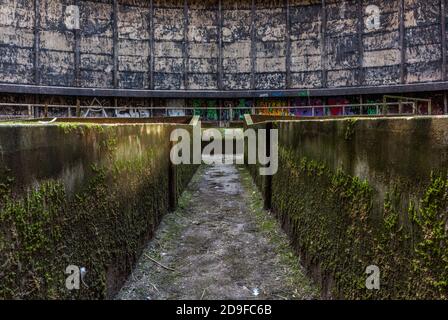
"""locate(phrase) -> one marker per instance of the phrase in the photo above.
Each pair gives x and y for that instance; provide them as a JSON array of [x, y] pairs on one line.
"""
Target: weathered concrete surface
[[221, 245], [358, 192], [345, 43], [83, 194]]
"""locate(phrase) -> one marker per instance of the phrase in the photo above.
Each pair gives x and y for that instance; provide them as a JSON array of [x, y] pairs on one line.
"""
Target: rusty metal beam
[[36, 42]]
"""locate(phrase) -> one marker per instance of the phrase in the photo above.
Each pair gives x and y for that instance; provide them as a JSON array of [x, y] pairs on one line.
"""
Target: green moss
[[431, 260], [68, 127], [102, 225], [350, 129], [391, 215], [71, 127], [335, 220]]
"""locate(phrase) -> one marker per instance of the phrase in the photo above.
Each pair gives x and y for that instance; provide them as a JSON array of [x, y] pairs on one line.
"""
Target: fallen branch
[[158, 263]]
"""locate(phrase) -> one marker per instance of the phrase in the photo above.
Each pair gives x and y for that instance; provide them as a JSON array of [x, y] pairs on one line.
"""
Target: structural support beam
[[445, 103], [37, 42], [267, 192], [221, 94], [402, 43], [115, 43], [220, 46], [443, 42], [253, 49], [360, 30], [151, 45], [288, 45], [186, 62], [77, 50], [323, 43], [172, 180]]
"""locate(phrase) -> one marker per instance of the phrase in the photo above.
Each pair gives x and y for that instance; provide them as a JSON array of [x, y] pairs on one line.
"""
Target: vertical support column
[[360, 42], [253, 43], [445, 103], [151, 45], [172, 180], [37, 42], [323, 43], [151, 105], [77, 34], [361, 102], [78, 108], [443, 42], [268, 178], [185, 45], [220, 48], [402, 43], [115, 42], [288, 45]]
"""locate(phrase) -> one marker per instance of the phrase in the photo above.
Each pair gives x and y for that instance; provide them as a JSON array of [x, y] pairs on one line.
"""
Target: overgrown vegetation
[[101, 226], [337, 225]]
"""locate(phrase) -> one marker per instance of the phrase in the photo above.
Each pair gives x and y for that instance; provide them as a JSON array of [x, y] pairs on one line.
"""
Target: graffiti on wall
[[131, 113], [240, 108], [305, 107], [175, 107], [206, 109], [272, 107]]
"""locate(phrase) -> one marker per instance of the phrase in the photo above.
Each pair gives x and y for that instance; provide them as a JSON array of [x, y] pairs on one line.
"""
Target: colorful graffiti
[[272, 107], [305, 109], [372, 110], [230, 110], [241, 108], [338, 103], [206, 109]]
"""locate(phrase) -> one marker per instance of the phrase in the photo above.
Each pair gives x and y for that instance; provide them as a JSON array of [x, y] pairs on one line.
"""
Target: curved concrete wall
[[222, 45]]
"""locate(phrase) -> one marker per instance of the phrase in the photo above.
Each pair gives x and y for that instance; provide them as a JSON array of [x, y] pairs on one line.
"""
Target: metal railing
[[367, 109], [223, 114]]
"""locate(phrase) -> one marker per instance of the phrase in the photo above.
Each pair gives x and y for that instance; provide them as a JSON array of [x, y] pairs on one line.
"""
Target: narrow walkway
[[219, 244]]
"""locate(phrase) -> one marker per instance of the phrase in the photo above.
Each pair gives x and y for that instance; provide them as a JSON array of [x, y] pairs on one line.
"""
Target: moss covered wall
[[80, 194], [353, 193]]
